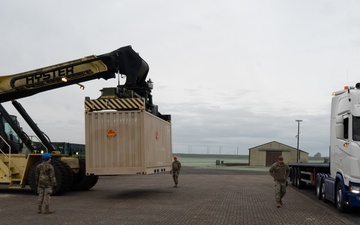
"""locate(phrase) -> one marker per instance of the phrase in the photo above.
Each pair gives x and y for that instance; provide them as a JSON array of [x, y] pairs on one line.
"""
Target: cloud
[[234, 74]]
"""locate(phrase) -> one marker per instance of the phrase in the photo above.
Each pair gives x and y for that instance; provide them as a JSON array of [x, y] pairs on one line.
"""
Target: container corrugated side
[[158, 146], [126, 142]]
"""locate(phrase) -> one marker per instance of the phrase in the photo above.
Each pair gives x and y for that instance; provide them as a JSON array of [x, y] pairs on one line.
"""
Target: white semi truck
[[339, 180]]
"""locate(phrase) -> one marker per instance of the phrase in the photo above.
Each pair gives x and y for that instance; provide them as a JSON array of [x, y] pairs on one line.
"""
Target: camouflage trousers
[[44, 196], [175, 175], [280, 189]]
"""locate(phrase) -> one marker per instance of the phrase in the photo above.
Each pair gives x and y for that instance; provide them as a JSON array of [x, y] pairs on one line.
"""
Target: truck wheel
[[300, 184], [340, 198], [296, 178], [318, 189], [293, 175], [293, 182], [83, 182], [64, 177], [31, 177], [323, 191]]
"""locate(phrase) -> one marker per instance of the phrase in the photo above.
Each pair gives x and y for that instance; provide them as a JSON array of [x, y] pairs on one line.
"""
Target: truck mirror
[[339, 129], [339, 120]]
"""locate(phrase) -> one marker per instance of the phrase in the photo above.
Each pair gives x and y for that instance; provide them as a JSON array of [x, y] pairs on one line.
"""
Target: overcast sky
[[233, 74]]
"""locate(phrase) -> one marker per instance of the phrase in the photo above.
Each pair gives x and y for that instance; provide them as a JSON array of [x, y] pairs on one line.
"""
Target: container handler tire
[[83, 182], [340, 198], [64, 177], [63, 174]]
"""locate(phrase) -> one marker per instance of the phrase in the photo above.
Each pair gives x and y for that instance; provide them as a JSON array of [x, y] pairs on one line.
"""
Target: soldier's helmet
[[46, 156]]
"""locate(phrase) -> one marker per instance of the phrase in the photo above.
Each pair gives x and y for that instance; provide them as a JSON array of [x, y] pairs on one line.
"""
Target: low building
[[267, 154]]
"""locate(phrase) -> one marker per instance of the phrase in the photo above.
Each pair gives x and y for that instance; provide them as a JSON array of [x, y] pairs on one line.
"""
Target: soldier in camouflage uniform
[[45, 180], [280, 172], [176, 166]]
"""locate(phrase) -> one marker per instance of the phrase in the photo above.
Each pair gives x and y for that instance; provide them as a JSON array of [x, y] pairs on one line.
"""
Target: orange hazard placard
[[111, 133]]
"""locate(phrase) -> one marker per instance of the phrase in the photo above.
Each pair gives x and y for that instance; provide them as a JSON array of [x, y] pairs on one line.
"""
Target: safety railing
[[7, 156]]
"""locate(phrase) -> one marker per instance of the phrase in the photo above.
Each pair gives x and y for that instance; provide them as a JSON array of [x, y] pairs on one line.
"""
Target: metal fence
[[210, 149]]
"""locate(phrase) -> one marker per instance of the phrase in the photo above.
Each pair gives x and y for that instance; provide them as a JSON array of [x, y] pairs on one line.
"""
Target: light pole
[[297, 146]]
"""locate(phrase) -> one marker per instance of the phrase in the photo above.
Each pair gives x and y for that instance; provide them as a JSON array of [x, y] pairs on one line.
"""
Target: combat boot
[[47, 210], [278, 204], [39, 209]]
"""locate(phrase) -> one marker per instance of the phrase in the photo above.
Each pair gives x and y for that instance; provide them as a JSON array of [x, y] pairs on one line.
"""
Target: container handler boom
[[123, 61]]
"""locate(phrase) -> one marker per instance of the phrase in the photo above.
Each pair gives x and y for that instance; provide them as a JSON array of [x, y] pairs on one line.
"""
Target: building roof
[[276, 143]]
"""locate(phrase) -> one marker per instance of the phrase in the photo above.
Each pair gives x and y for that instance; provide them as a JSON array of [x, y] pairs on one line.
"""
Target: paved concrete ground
[[203, 197]]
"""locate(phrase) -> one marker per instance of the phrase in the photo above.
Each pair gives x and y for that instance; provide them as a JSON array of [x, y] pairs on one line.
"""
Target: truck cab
[[339, 180], [343, 185]]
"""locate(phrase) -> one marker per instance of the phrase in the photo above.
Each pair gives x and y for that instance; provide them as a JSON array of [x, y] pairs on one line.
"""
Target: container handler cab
[[339, 180], [19, 156]]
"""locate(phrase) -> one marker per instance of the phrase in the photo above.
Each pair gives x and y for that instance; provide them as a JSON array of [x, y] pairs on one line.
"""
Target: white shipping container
[[127, 142]]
